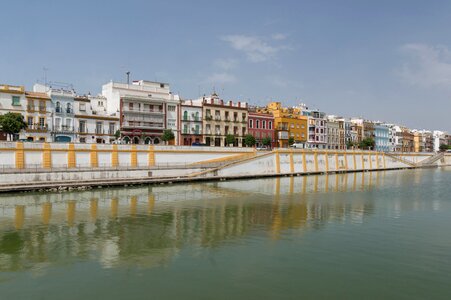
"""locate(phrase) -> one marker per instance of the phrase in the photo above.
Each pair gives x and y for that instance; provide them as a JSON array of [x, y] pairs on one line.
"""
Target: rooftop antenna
[[128, 77], [45, 76]]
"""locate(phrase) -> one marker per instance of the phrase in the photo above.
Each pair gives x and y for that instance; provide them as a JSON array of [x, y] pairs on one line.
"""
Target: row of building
[[139, 113]]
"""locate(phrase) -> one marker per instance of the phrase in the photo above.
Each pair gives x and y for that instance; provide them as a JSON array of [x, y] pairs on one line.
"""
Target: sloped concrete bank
[[69, 185], [224, 166]]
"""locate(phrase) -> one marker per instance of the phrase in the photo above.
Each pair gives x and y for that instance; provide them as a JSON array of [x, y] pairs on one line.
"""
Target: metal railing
[[38, 168]]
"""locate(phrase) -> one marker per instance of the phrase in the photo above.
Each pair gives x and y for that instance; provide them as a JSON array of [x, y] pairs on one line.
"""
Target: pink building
[[261, 125]]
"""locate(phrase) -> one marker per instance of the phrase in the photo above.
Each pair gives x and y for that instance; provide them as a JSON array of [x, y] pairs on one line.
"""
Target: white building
[[92, 123], [62, 112], [12, 99], [146, 109], [439, 138]]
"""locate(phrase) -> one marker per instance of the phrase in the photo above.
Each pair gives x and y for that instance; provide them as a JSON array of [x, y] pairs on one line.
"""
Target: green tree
[[230, 139], [249, 140], [443, 147], [291, 141], [367, 143], [117, 134], [168, 135], [350, 144], [266, 141], [12, 123]]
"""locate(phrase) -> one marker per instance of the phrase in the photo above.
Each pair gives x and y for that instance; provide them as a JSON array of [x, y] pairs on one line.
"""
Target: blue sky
[[385, 60]]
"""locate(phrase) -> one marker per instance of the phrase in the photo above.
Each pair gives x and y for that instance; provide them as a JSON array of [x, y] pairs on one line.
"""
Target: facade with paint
[[92, 123], [261, 126], [146, 109], [12, 99], [190, 123], [221, 119], [381, 137], [289, 123]]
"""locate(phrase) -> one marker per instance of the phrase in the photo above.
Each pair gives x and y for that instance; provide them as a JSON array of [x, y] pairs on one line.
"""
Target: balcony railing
[[143, 111], [143, 125], [63, 128], [37, 127]]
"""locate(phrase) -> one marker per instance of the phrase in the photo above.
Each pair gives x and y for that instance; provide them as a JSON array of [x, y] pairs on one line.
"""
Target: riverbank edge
[[63, 186]]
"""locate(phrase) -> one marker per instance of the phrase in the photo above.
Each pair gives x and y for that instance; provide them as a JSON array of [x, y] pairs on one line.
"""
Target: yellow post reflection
[[150, 203], [19, 216], [133, 205], [46, 212], [70, 212], [93, 208], [114, 207]]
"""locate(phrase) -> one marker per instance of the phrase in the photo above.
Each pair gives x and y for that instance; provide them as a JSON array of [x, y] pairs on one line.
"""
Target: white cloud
[[426, 66], [279, 36], [255, 48], [221, 78], [226, 63]]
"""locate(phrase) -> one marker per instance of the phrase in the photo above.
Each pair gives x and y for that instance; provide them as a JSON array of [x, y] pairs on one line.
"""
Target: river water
[[378, 235]]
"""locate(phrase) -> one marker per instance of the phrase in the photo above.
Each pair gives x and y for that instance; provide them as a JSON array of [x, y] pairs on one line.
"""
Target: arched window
[[58, 106]]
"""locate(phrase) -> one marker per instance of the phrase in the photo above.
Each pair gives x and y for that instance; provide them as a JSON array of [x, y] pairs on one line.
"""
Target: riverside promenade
[[59, 166]]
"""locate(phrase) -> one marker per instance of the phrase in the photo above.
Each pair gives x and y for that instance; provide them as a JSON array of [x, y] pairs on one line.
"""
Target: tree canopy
[[12, 123], [367, 143], [249, 140], [168, 135], [266, 141], [230, 139]]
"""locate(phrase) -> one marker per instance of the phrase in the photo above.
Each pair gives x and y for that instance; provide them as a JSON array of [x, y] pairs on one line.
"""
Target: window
[[185, 115], [257, 124], [41, 105], [264, 124], [42, 122], [82, 128], [57, 123], [251, 123], [16, 100], [99, 128], [82, 140], [30, 121], [270, 125], [68, 108], [82, 107], [112, 128], [185, 129], [171, 108]]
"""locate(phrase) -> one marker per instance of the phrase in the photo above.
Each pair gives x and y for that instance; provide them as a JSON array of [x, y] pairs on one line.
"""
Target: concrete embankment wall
[[68, 155], [22, 163], [280, 162]]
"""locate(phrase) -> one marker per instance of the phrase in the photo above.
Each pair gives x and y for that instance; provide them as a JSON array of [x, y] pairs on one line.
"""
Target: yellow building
[[288, 123]]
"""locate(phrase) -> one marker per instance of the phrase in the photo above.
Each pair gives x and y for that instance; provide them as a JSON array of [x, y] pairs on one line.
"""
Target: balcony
[[63, 129], [143, 125], [142, 111], [36, 128]]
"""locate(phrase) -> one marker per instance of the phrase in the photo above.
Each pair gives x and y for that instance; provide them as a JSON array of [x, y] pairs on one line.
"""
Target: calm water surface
[[382, 235]]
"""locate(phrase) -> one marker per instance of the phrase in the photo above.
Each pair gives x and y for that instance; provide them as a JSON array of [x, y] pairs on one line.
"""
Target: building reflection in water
[[147, 226]]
